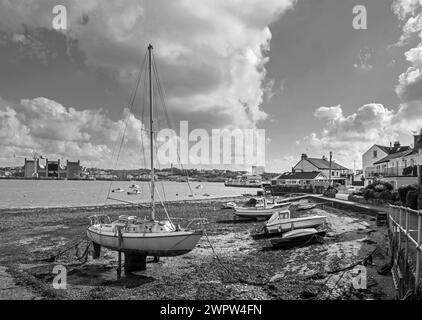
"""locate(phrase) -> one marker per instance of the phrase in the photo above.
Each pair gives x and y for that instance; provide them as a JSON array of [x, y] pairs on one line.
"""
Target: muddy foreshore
[[227, 264]]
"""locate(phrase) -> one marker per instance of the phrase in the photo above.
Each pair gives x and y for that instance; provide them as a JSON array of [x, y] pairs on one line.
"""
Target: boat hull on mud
[[298, 238], [161, 244], [260, 212]]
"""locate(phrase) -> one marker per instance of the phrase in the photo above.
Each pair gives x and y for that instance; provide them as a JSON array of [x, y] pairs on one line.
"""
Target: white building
[[395, 164], [306, 164], [375, 154]]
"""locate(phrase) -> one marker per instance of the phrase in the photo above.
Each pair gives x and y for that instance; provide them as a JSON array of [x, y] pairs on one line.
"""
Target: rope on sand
[[84, 255]]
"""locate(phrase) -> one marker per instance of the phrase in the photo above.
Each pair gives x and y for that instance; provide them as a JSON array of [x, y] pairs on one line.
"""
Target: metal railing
[[405, 229], [398, 171]]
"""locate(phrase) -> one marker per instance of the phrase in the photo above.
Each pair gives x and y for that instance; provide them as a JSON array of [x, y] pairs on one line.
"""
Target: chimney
[[417, 141], [304, 156], [397, 144]]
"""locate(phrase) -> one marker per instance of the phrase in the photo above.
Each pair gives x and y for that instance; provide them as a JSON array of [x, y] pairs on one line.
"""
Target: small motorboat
[[117, 190], [199, 186], [134, 186], [300, 237], [134, 192], [281, 222]]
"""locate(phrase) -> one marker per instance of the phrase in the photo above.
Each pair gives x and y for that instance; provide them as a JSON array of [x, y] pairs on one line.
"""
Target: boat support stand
[[132, 262]]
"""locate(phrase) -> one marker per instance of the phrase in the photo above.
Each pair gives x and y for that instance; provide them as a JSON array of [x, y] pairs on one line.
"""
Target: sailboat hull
[[163, 244]]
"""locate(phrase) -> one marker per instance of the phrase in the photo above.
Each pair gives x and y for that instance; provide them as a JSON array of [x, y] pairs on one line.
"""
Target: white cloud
[[349, 136], [212, 53], [53, 130], [409, 87]]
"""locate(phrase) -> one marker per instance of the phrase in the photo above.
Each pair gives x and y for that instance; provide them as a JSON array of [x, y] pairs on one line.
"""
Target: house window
[[375, 154]]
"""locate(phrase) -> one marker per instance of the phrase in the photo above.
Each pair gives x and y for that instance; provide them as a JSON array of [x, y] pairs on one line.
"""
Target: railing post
[[399, 233], [418, 250], [406, 252]]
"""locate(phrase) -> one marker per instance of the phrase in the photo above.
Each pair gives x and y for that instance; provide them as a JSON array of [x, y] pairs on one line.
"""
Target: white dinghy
[[262, 209]]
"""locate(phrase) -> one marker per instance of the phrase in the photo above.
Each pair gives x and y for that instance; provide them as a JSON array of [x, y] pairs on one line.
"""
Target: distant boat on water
[[134, 192], [244, 181], [118, 190]]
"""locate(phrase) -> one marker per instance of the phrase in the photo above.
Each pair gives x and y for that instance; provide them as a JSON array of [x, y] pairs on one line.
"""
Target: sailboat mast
[[151, 121]]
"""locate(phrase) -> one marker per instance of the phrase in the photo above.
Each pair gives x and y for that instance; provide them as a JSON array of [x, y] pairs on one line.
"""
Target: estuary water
[[72, 193]]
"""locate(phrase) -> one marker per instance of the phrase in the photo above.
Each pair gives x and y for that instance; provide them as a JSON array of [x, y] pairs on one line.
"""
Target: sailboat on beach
[[146, 237]]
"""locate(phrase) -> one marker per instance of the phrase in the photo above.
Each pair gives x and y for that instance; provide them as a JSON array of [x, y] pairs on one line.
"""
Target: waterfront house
[[339, 173], [313, 182], [395, 164], [375, 154], [305, 179]]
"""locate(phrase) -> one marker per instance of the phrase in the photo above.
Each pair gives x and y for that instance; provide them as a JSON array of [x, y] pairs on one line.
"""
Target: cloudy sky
[[296, 68]]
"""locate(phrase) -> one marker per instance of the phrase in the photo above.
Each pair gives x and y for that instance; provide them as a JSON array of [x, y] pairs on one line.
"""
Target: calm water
[[62, 193]]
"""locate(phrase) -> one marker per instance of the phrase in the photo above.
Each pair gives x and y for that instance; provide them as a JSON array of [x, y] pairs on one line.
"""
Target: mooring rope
[[54, 257], [161, 93]]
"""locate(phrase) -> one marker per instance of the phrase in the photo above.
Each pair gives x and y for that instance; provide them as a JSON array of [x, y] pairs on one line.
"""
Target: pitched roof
[[325, 164], [396, 155], [298, 176], [391, 150]]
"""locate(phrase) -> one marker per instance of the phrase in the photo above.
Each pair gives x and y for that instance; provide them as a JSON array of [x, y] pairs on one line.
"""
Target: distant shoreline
[[109, 207], [222, 180]]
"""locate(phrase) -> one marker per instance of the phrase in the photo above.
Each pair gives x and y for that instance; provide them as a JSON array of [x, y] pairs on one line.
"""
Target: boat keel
[[134, 262], [97, 250]]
